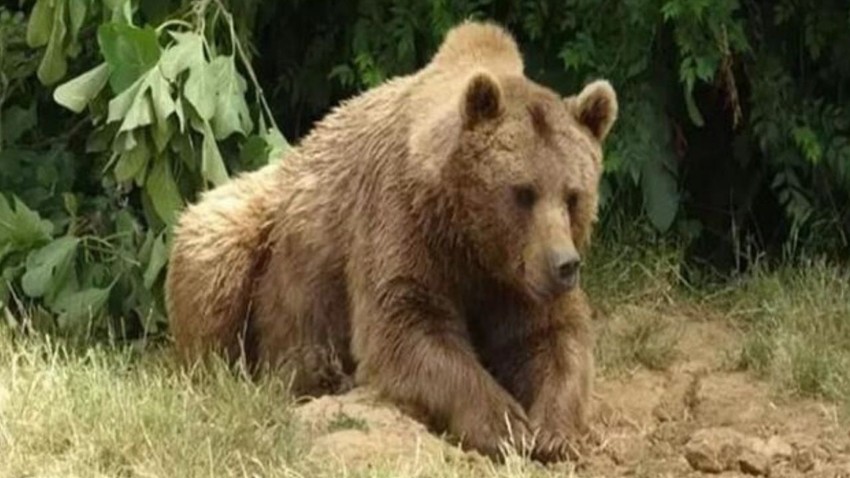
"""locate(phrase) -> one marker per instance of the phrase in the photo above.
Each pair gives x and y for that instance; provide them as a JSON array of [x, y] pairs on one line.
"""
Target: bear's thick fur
[[424, 238]]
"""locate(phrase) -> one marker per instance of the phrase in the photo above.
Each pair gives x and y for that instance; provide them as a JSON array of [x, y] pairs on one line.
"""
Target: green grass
[[106, 413], [636, 292], [343, 421], [796, 324], [641, 338], [116, 412]]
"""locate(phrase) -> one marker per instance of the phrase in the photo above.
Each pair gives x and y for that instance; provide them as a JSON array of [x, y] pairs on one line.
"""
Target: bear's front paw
[[551, 445], [490, 428], [556, 441]]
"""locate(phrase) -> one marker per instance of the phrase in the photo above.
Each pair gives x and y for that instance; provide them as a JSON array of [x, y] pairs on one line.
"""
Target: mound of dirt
[[695, 419], [360, 431]]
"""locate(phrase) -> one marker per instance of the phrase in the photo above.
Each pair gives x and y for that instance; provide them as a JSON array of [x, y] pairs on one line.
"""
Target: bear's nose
[[565, 267]]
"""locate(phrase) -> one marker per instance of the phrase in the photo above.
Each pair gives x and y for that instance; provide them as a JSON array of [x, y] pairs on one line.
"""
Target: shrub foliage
[[117, 113]]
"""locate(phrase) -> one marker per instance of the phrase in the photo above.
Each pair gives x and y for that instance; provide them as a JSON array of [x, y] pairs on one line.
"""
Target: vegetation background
[[726, 196], [733, 142]]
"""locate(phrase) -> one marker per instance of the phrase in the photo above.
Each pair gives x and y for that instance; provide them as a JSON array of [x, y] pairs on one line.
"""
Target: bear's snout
[[564, 265]]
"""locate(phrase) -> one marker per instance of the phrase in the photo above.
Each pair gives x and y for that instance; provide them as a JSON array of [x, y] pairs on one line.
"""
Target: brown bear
[[424, 238]]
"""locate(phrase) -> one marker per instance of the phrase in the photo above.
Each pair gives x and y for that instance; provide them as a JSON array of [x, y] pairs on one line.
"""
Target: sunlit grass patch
[[104, 413], [797, 328], [637, 336], [111, 412], [634, 291]]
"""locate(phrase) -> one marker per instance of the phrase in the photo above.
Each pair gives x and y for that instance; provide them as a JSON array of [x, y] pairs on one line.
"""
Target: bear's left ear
[[482, 99], [596, 108]]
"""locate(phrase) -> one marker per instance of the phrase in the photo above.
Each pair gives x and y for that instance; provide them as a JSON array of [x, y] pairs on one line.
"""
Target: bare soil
[[699, 417]]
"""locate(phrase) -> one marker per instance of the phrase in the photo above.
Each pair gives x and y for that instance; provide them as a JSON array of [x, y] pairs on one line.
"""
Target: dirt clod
[[714, 450], [754, 463], [778, 449], [804, 460]]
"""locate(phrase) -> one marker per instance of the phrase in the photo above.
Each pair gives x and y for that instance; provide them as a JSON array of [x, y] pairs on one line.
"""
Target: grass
[[116, 412], [797, 328], [637, 294], [107, 413], [343, 421], [794, 322], [641, 339]]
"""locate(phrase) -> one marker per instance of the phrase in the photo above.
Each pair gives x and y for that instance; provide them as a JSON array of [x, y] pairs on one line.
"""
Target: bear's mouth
[[546, 291], [541, 293]]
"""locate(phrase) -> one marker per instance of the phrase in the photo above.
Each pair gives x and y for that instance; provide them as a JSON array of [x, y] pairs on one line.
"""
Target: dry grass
[[796, 323], [637, 295], [637, 337], [108, 412], [105, 413]]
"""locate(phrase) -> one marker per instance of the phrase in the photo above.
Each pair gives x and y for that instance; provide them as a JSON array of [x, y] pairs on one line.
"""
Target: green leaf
[[132, 106], [187, 53], [120, 105], [705, 68], [21, 228], [200, 91], [129, 51], [144, 252], [124, 141], [254, 152], [162, 190], [132, 162], [127, 228], [4, 293], [160, 91], [231, 111], [40, 23], [77, 12], [78, 93], [53, 65], [693, 110], [98, 141], [162, 133], [45, 267], [212, 165], [78, 308], [18, 121], [71, 203], [808, 143], [181, 115], [344, 74], [115, 5], [8, 276], [660, 194], [163, 106], [158, 259], [279, 145], [183, 147]]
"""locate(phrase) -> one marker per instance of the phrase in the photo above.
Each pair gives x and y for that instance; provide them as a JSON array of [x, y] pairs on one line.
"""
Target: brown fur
[[410, 238]]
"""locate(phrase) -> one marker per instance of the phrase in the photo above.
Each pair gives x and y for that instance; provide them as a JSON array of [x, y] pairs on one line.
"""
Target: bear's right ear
[[596, 108], [482, 99]]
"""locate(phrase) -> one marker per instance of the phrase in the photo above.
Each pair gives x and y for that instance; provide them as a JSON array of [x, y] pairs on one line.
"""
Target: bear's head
[[523, 174]]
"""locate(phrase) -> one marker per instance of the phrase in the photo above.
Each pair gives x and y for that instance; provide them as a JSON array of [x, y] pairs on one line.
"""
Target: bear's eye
[[525, 196], [572, 202]]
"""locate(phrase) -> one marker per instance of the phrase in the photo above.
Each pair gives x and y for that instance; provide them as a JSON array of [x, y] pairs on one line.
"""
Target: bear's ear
[[482, 99], [596, 108]]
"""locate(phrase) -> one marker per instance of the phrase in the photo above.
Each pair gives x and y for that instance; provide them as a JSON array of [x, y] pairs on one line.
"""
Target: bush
[[117, 113]]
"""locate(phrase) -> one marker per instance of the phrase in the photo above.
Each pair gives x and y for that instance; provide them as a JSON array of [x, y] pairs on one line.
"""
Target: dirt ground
[[696, 418]]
